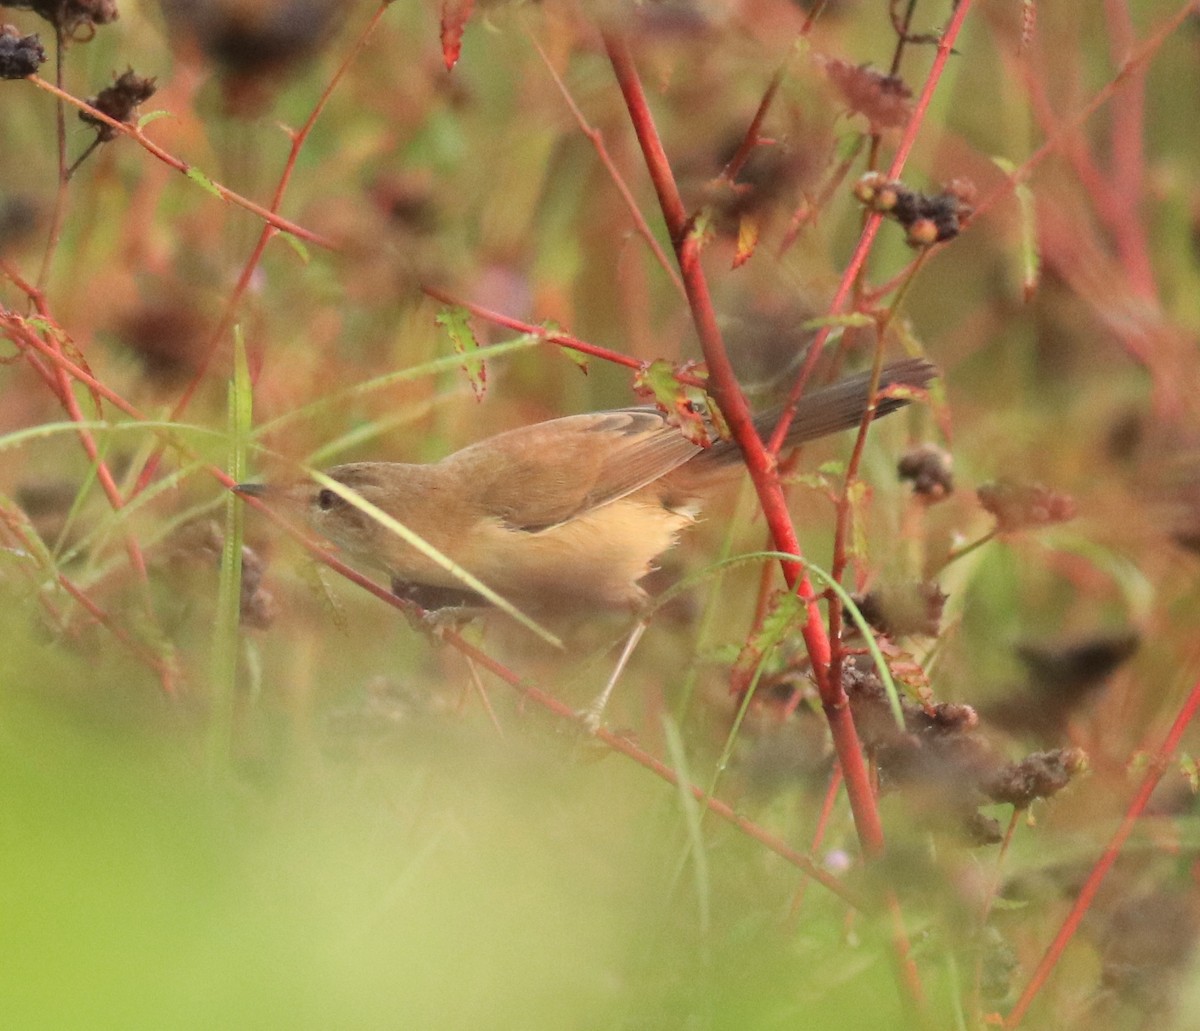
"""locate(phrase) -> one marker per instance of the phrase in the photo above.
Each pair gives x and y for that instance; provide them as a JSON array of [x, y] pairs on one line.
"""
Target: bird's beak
[[253, 490]]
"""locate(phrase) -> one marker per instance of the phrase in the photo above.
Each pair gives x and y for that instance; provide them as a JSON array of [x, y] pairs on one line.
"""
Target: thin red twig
[[225, 322], [724, 387], [226, 194], [1137, 60], [873, 221], [1159, 764], [596, 138], [560, 339], [752, 139]]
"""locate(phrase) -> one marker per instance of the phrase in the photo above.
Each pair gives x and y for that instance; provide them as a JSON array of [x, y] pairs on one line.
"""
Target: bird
[[560, 518]]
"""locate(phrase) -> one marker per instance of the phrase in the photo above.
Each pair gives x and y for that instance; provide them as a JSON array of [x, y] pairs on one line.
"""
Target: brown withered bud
[[883, 99], [930, 470], [20, 56], [1020, 505], [1038, 775], [119, 101], [903, 609], [76, 18], [927, 218], [876, 191]]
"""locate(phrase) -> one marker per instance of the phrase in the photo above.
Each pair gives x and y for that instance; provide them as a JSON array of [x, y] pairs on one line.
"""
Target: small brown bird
[[562, 517]]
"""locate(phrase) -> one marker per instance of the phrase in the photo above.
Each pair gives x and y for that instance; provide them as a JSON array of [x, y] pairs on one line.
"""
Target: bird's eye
[[326, 500]]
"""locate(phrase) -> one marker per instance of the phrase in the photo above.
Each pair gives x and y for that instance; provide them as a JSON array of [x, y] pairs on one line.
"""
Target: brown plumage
[[561, 516]]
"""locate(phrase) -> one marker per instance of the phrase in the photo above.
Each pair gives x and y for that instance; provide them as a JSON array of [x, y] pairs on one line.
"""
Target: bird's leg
[[593, 714]]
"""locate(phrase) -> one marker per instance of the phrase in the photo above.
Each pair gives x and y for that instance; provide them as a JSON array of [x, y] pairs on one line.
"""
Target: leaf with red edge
[[456, 322], [686, 406], [455, 15]]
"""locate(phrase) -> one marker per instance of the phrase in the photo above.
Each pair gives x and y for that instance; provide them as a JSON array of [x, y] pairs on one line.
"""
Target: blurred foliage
[[371, 852]]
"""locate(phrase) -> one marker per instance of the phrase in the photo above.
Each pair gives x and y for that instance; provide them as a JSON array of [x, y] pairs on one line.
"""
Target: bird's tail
[[832, 409]]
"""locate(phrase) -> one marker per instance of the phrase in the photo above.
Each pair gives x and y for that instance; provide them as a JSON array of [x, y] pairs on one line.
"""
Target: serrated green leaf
[[203, 181], [456, 322], [658, 380]]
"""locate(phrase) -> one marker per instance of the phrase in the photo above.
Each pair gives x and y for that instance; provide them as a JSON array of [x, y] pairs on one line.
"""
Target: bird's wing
[[543, 475]]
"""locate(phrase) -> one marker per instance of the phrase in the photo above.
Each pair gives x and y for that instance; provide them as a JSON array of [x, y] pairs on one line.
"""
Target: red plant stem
[[225, 323], [20, 333], [53, 349], [725, 390], [226, 194], [752, 138], [1061, 140], [1137, 59], [832, 790], [596, 138], [872, 223], [1158, 766], [165, 674], [1128, 152], [561, 339]]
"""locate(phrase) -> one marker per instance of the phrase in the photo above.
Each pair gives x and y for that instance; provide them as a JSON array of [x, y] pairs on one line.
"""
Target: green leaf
[[847, 320], [578, 357], [152, 116], [296, 244], [1031, 259], [224, 662], [200, 179], [858, 493], [456, 322]]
